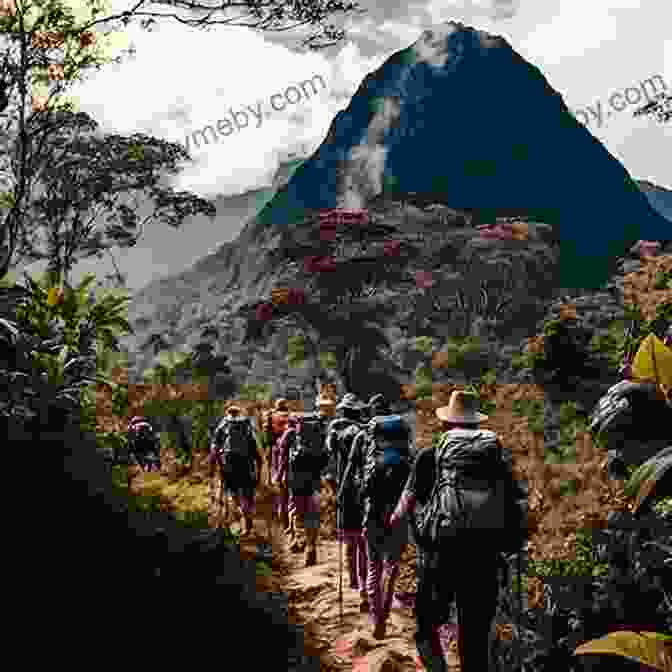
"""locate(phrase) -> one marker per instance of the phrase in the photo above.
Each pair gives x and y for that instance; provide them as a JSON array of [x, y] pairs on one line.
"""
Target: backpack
[[234, 437], [469, 494], [307, 455], [386, 462], [344, 432], [142, 440]]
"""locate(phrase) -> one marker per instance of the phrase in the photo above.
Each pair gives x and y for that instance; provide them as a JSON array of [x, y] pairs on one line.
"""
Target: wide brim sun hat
[[462, 407]]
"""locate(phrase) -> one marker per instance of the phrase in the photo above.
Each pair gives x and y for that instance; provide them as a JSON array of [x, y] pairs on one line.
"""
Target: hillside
[[377, 156]]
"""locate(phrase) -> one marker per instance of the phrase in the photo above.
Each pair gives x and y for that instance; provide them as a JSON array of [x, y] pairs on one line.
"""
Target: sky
[[182, 78]]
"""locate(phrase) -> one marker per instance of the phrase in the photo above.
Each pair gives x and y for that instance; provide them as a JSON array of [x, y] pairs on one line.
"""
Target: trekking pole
[[519, 609], [339, 532]]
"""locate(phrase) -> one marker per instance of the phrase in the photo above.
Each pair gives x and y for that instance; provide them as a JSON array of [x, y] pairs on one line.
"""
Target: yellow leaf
[[653, 361], [54, 296], [643, 647]]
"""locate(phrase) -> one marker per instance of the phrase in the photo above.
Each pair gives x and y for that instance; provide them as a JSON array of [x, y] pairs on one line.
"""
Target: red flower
[[327, 231], [327, 264], [319, 264], [392, 248], [264, 312], [423, 279], [297, 296]]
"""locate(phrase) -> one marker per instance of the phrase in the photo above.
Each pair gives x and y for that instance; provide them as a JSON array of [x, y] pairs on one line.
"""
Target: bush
[[256, 392]]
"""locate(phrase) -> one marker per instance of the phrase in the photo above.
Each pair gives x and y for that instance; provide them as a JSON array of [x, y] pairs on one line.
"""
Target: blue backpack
[[387, 461]]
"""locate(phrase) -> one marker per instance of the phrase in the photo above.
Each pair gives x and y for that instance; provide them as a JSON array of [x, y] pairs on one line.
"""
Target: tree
[[58, 245], [274, 16], [342, 309], [88, 178]]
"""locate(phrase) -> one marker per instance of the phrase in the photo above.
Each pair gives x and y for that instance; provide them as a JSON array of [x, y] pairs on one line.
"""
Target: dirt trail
[[313, 603]]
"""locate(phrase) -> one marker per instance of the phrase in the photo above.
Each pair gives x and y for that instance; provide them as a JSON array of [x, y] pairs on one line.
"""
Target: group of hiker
[[459, 502]]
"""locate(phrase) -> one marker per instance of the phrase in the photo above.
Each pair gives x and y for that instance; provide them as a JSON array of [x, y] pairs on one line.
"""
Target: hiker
[[303, 457], [143, 443], [274, 426], [351, 411], [340, 437], [468, 466], [234, 449], [381, 456]]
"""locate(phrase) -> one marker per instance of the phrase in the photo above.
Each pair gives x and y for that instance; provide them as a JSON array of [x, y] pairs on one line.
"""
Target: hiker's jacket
[[423, 475]]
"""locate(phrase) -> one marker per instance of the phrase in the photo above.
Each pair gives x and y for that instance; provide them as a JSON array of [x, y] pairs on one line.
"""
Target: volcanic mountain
[[458, 122]]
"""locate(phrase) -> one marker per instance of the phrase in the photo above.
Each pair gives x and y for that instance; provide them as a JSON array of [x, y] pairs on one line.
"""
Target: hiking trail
[[313, 603]]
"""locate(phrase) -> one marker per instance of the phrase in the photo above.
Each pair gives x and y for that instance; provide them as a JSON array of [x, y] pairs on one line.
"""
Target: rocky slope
[[545, 169]]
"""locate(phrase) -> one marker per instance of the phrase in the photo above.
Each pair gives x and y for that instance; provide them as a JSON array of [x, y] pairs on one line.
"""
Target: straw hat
[[281, 405], [462, 407], [324, 401], [568, 311], [350, 402]]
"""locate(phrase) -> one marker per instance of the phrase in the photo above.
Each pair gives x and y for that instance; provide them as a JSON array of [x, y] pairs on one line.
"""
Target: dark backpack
[[234, 437], [307, 455], [469, 493], [386, 462], [344, 433], [143, 441]]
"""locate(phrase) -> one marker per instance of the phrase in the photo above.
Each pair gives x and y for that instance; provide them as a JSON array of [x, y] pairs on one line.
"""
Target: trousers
[[463, 570], [384, 550], [356, 557]]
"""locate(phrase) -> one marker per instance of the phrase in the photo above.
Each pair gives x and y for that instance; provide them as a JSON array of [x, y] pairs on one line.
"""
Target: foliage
[[613, 343], [663, 280], [296, 350], [58, 332], [423, 382], [424, 344], [533, 409], [328, 360], [256, 391]]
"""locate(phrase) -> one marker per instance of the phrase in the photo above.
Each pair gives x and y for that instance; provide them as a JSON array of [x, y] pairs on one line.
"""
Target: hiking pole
[[519, 609], [340, 545]]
